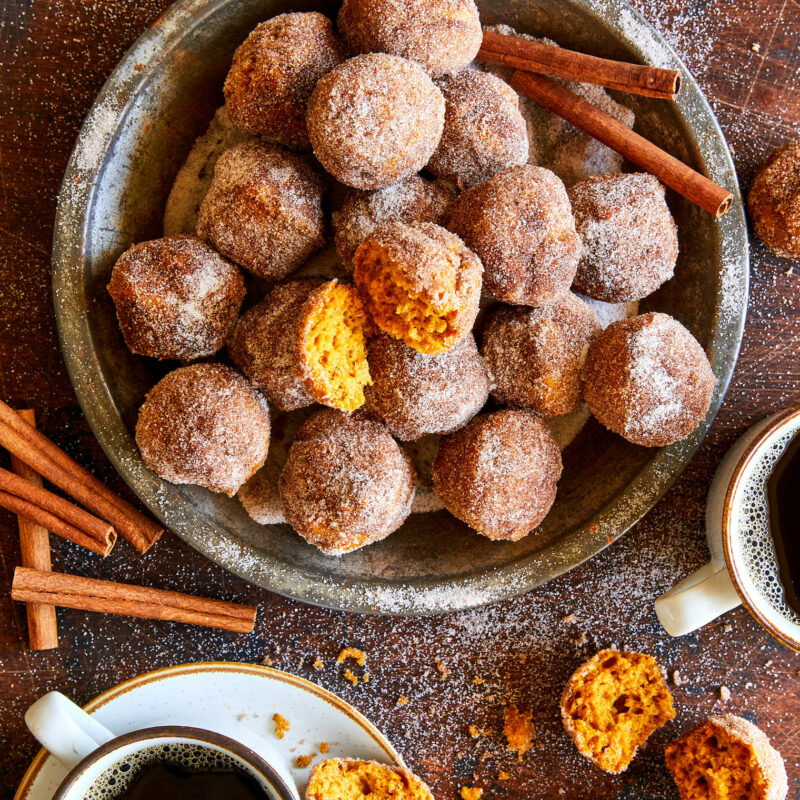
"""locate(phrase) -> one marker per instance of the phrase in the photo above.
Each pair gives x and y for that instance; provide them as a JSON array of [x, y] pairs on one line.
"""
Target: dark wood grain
[[55, 56]]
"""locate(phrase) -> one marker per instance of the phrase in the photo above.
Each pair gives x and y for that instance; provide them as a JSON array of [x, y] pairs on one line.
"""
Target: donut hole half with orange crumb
[[350, 779], [332, 346], [611, 705], [419, 284]]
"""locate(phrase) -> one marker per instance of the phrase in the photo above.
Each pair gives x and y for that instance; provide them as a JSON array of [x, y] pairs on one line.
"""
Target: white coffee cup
[[88, 749], [725, 582]]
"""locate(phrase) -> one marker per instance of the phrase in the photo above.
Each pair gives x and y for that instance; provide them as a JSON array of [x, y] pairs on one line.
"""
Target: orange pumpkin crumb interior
[[338, 779], [422, 322], [709, 763], [334, 348], [615, 705]]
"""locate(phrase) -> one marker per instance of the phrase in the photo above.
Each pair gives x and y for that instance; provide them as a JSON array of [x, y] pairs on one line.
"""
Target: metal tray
[[156, 102]]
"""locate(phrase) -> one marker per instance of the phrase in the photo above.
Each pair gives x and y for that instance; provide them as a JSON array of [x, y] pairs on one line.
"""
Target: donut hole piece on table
[[333, 347], [612, 704], [420, 284], [346, 482], [726, 757]]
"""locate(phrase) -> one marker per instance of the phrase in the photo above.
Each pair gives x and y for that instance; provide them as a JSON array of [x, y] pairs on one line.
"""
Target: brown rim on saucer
[[789, 415], [199, 735], [218, 666]]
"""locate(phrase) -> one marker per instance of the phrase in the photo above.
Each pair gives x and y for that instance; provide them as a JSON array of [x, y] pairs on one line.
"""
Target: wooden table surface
[[55, 56]]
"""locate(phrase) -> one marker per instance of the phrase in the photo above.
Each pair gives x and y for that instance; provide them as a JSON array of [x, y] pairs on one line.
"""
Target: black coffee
[[783, 496], [176, 771], [168, 782]]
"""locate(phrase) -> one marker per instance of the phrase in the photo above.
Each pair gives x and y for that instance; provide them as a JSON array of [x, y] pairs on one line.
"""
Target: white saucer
[[237, 700]]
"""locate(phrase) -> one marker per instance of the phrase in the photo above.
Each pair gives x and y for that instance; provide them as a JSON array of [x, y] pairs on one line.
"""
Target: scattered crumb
[[569, 619], [484, 755], [402, 700], [478, 680], [562, 790], [594, 527], [724, 694], [473, 731], [581, 640], [768, 664], [301, 762], [324, 747], [518, 728], [471, 793], [281, 725], [318, 664], [442, 668], [677, 678], [351, 676], [366, 677], [755, 47], [352, 652], [267, 661], [503, 776], [241, 717], [728, 628]]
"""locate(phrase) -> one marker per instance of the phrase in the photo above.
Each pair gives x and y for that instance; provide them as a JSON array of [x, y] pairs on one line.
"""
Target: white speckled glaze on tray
[[236, 700], [133, 143]]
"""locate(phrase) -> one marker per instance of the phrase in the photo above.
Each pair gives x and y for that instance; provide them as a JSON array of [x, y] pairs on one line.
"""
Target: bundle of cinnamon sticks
[[533, 61], [95, 527]]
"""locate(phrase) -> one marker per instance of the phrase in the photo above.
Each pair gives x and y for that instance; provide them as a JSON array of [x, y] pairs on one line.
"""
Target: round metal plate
[[137, 135]]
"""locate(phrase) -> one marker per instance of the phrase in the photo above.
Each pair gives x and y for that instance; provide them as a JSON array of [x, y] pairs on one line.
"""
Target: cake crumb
[[473, 731], [281, 725], [478, 680], [569, 619], [351, 676], [523, 659], [503, 776], [318, 664], [755, 47], [728, 628], [301, 762], [471, 793], [324, 747], [518, 729], [724, 694], [442, 669], [241, 717], [402, 700], [352, 652], [267, 661], [366, 677], [581, 640], [677, 678]]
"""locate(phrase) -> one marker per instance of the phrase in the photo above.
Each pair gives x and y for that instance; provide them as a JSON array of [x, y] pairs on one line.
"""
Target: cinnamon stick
[[548, 59], [107, 597], [39, 453], [34, 544], [669, 170], [100, 532]]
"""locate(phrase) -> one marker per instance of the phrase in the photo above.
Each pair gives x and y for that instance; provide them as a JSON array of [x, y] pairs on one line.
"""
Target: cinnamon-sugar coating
[[419, 283], [264, 345], [346, 482], [520, 225], [413, 199], [484, 130], [630, 241], [774, 201], [375, 120], [175, 298], [442, 36], [499, 474], [648, 379], [274, 72], [535, 356], [416, 394], [204, 424], [263, 209]]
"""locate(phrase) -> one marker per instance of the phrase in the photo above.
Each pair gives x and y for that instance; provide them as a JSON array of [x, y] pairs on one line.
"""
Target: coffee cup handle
[[64, 729], [696, 600]]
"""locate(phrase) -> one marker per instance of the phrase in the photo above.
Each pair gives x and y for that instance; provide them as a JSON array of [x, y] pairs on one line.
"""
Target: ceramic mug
[[91, 752], [742, 567]]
